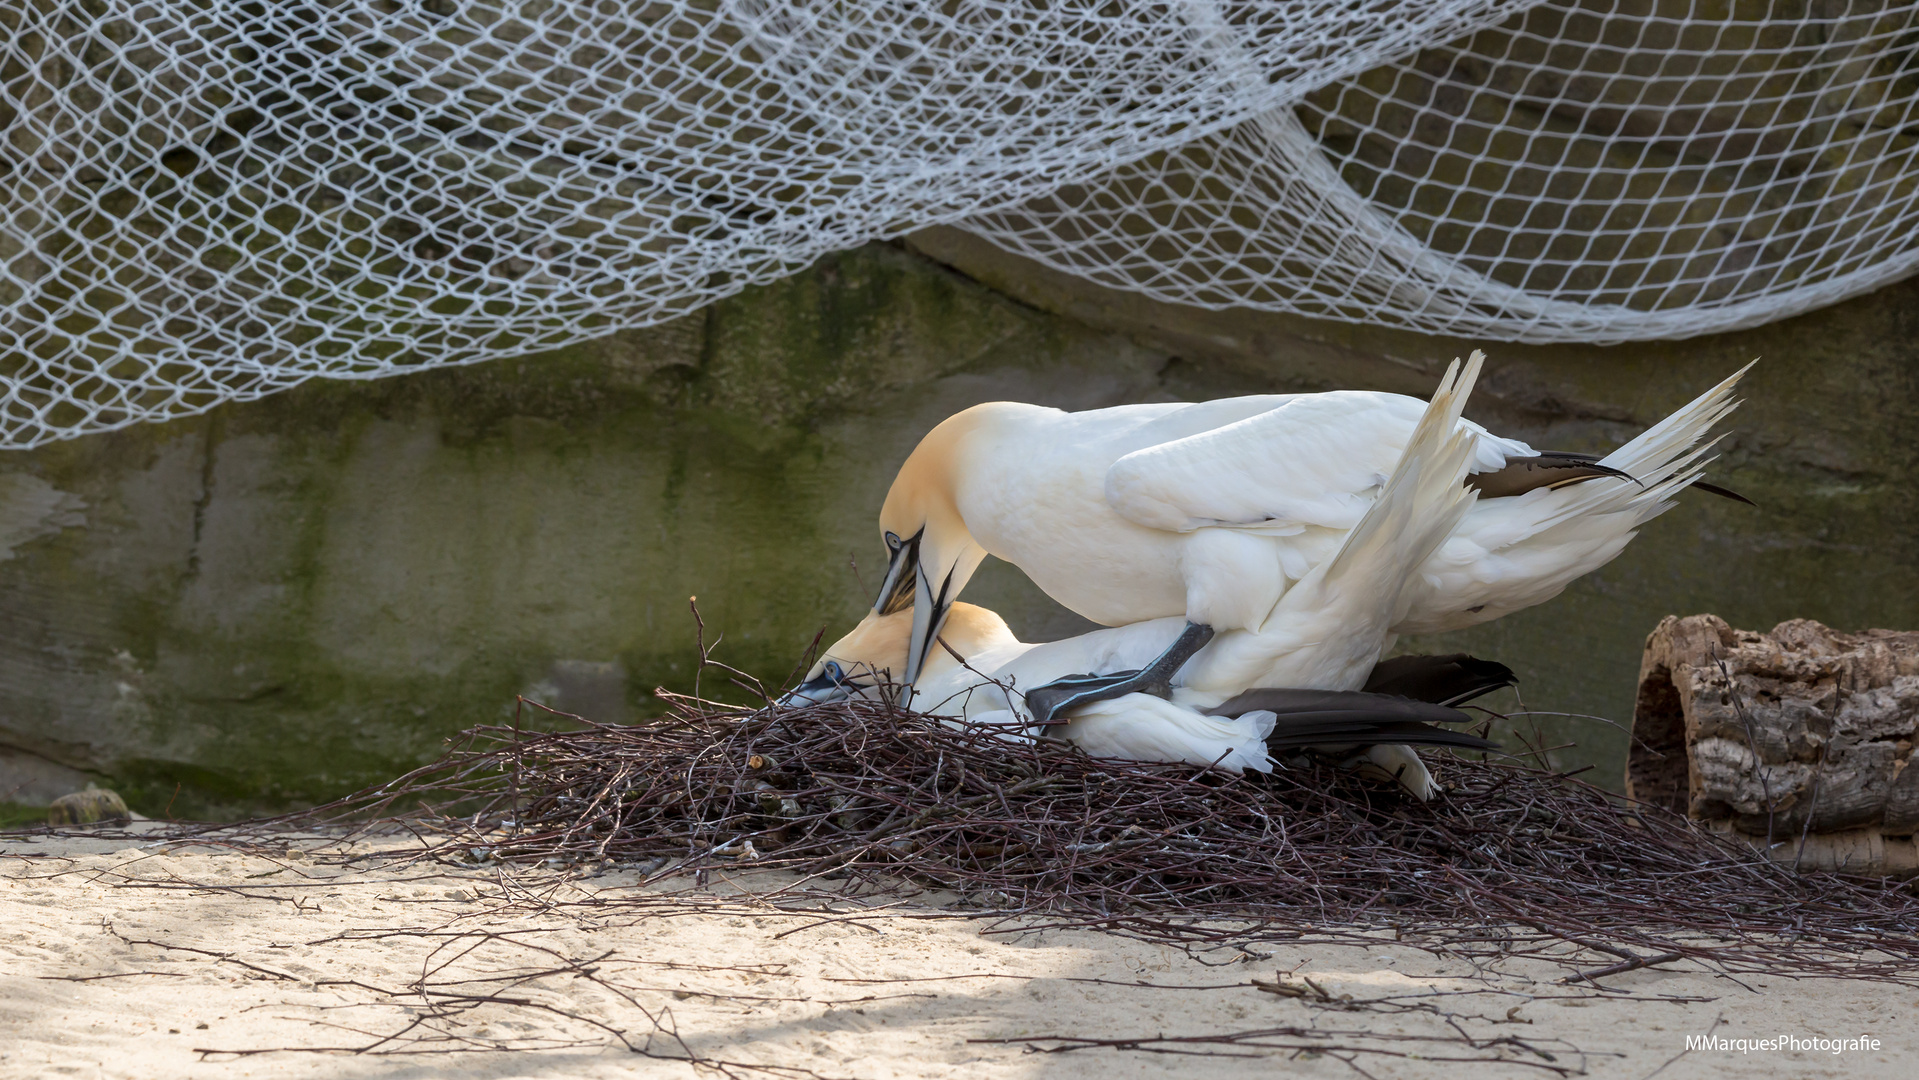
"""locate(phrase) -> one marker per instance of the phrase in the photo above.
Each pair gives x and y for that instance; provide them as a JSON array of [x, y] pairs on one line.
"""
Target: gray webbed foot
[[1047, 702]]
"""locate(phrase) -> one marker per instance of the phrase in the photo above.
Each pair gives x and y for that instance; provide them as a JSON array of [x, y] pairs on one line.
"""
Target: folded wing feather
[[1313, 460]]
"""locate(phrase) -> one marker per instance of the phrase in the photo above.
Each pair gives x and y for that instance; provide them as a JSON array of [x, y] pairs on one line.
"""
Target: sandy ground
[[127, 959]]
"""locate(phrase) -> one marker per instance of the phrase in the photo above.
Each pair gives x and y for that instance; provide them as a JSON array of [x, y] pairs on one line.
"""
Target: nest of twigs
[[876, 798]]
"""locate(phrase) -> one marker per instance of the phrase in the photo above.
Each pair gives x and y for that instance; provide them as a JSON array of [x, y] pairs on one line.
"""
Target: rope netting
[[203, 200]]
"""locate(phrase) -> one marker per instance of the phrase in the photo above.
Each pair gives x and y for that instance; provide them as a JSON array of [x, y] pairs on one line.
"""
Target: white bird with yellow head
[[1214, 511]]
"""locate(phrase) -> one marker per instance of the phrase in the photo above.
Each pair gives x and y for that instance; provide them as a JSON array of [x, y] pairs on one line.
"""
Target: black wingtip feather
[[1724, 493], [1352, 718], [1327, 705], [1547, 469], [1448, 679], [1516, 475], [1390, 733]]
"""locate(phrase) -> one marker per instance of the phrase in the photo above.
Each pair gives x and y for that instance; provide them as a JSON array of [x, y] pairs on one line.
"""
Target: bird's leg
[[1157, 677], [1047, 702]]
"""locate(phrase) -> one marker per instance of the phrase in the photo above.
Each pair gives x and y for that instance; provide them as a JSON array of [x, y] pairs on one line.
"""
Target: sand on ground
[[125, 957]]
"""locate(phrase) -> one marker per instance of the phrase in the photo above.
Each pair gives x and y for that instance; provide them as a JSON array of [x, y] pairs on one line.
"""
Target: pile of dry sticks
[[864, 799]]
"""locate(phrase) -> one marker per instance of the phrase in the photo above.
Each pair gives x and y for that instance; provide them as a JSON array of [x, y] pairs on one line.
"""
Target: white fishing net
[[203, 200]]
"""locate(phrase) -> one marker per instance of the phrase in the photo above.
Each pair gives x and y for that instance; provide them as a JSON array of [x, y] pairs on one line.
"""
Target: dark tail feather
[[1352, 717], [1550, 469], [1452, 679]]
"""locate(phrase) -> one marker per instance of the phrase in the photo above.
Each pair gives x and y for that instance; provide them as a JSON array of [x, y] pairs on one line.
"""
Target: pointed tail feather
[[1513, 553], [1663, 459], [1650, 456]]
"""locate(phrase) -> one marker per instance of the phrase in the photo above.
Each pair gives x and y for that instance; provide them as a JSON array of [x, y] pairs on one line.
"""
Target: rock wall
[[281, 600]]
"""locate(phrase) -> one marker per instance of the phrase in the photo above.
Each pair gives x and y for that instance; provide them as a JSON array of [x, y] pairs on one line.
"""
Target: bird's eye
[[893, 541], [833, 671]]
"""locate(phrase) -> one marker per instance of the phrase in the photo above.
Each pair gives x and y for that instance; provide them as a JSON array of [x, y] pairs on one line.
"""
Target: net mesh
[[203, 200]]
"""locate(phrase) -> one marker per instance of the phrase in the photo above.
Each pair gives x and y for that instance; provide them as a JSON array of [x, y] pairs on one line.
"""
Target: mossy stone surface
[[87, 807], [284, 600]]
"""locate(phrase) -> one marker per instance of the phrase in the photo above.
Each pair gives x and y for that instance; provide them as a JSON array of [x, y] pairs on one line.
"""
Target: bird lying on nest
[[1215, 511], [1152, 690], [980, 668]]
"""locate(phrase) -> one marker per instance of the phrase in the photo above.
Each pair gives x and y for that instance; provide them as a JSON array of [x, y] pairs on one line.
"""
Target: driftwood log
[[1800, 740]]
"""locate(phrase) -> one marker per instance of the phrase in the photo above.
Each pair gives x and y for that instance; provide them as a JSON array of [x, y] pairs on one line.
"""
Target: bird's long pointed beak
[[930, 606], [833, 683], [907, 583], [818, 691], [928, 575], [902, 571]]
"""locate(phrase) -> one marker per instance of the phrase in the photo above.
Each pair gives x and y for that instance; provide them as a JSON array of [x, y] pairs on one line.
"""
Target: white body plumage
[[1214, 511], [1325, 633]]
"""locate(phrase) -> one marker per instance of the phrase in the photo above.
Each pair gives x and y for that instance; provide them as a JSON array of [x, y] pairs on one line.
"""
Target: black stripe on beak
[[902, 574], [922, 649]]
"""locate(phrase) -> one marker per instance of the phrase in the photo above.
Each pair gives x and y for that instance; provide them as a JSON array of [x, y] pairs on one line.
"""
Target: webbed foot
[[1046, 703]]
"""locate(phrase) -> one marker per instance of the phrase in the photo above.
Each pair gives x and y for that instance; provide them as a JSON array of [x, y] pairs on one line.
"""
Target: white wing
[[1312, 460]]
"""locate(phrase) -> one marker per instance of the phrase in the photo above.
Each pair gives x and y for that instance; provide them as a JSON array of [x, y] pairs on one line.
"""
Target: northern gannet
[[980, 672], [1214, 511], [1155, 691]]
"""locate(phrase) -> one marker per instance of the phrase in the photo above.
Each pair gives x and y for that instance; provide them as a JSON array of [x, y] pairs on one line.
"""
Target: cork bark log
[[1800, 740]]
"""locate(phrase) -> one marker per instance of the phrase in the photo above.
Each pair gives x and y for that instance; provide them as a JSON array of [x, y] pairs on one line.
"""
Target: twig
[[1718, 1020], [1624, 966]]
